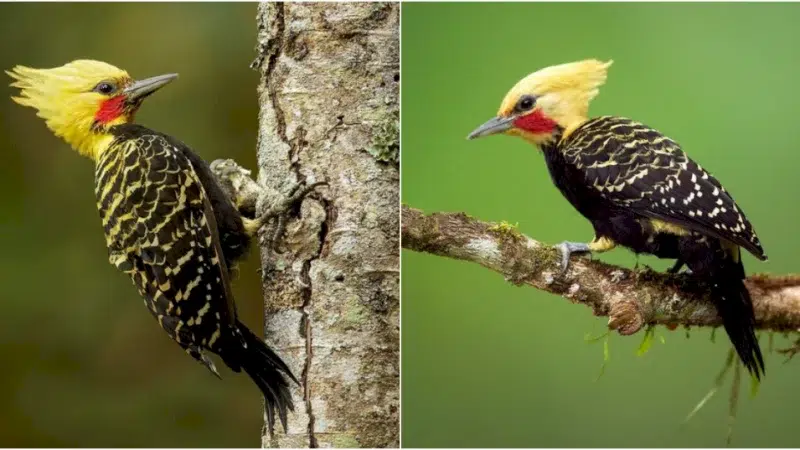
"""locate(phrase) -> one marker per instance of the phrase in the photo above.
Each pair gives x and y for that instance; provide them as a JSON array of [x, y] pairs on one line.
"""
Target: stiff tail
[[267, 370], [736, 309]]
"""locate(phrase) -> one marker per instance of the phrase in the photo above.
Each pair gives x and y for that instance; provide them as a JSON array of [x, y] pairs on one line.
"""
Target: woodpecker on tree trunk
[[638, 189], [167, 222]]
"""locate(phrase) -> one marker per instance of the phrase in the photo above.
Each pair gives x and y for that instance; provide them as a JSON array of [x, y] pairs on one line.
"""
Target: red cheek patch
[[536, 123], [110, 109]]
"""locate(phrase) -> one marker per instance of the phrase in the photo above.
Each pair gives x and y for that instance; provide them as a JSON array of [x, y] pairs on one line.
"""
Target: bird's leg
[[296, 194], [598, 245], [279, 210], [567, 249], [280, 228], [244, 193]]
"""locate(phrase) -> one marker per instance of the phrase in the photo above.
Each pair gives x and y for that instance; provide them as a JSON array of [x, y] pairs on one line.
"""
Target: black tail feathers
[[736, 309], [267, 370]]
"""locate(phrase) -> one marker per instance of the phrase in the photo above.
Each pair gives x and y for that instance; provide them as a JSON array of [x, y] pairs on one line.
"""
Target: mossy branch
[[630, 299]]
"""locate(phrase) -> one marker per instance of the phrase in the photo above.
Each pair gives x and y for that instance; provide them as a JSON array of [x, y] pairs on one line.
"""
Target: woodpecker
[[638, 189], [167, 222]]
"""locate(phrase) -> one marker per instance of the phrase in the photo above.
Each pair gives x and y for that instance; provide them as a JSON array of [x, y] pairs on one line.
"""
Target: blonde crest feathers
[[564, 90], [63, 97]]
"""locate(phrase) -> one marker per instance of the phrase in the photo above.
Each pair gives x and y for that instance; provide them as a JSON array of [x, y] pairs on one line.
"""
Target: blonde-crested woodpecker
[[168, 224], [637, 187]]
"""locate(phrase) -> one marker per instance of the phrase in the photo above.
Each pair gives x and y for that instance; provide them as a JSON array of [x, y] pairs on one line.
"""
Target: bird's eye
[[525, 103], [105, 87]]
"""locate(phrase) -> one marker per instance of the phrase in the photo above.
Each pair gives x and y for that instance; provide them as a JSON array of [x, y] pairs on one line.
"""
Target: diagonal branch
[[630, 299]]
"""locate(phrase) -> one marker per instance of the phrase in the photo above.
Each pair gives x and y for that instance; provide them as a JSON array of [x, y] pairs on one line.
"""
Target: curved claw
[[280, 211], [567, 249], [298, 192]]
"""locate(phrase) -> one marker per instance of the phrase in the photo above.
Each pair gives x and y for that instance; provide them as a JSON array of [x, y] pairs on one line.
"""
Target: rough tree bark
[[329, 96], [630, 299]]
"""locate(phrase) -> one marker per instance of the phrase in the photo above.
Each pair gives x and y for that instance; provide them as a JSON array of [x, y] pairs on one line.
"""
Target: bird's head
[[547, 102], [80, 101]]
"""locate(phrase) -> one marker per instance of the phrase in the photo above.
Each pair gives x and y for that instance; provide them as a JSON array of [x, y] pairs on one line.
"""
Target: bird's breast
[[572, 184]]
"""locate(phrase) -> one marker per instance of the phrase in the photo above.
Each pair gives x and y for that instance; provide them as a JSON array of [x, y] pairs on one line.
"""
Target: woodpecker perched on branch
[[637, 188], [168, 224]]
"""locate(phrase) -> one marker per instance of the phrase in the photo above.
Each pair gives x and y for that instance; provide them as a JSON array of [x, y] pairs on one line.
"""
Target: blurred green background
[[489, 364], [84, 363]]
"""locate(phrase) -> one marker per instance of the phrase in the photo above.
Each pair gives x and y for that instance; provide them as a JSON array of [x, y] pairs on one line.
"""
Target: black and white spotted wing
[[160, 230], [638, 168]]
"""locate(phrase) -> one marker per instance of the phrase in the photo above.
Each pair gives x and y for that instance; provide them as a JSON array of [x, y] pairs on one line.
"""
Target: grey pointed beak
[[142, 88], [495, 125]]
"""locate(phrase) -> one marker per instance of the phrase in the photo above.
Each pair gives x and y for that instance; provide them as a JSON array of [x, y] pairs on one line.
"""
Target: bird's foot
[[567, 249], [237, 185], [281, 209]]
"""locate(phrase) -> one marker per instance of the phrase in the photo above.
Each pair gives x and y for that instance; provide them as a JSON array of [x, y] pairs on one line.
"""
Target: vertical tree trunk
[[329, 112]]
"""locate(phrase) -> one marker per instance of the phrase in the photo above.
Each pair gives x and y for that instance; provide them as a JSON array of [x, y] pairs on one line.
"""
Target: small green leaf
[[728, 364], [606, 357], [647, 341], [701, 403], [733, 402], [755, 383], [717, 384], [662, 339]]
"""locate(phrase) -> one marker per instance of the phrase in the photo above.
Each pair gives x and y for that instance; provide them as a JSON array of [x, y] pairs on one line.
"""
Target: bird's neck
[[560, 133], [90, 143], [94, 146], [85, 135], [553, 140], [573, 125]]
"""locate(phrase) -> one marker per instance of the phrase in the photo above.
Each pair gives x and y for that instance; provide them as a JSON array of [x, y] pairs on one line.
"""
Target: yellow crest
[[65, 97], [563, 91]]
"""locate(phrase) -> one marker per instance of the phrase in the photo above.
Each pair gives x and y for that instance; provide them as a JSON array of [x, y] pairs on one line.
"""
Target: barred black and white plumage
[[635, 167], [154, 198], [641, 191], [637, 188], [168, 224]]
